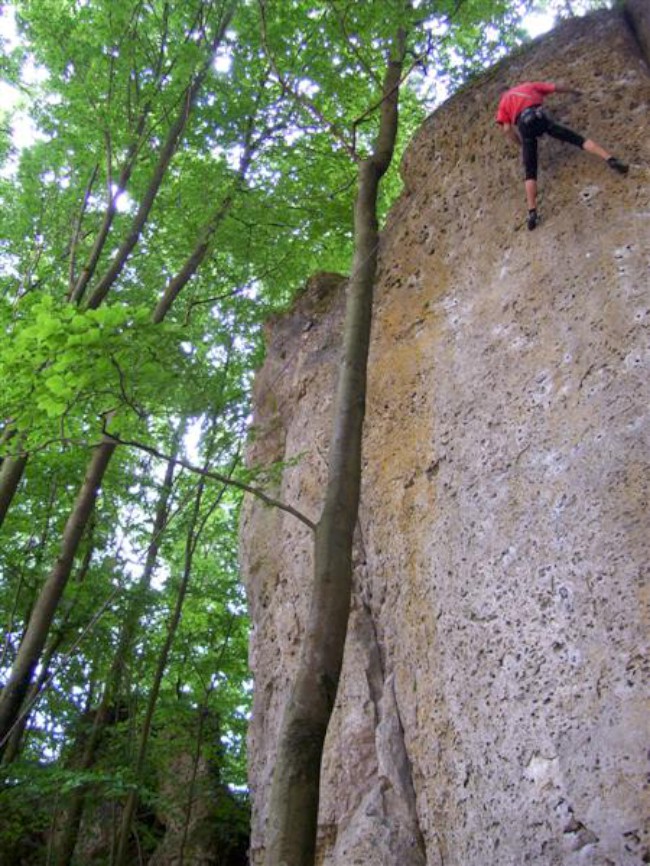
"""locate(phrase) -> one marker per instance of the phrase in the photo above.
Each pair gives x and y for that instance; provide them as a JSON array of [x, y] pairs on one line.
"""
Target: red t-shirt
[[515, 100]]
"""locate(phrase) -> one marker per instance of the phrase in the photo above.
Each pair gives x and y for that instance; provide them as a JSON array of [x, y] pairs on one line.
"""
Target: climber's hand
[[511, 132]]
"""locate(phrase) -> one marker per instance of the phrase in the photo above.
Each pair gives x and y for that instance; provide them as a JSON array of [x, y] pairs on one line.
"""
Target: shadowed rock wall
[[493, 708]]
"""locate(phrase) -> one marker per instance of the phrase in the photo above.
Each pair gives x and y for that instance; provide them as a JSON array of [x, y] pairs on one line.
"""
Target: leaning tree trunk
[[11, 474], [17, 685], [51, 648], [38, 627], [15, 740], [293, 807]]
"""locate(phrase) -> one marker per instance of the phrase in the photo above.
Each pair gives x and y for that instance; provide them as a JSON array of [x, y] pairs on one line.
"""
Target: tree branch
[[194, 260], [89, 268], [370, 72], [215, 476], [301, 98], [167, 152], [418, 61], [77, 231], [197, 302]]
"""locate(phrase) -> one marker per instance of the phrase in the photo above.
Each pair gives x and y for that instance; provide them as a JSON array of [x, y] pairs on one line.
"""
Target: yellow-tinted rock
[[493, 709]]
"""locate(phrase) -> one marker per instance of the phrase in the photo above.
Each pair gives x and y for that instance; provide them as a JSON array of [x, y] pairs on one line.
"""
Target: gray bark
[[70, 833], [38, 627], [193, 535], [10, 476], [293, 808]]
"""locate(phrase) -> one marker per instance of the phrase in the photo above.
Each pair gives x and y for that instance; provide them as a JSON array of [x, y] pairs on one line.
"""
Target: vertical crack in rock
[[393, 760], [384, 827]]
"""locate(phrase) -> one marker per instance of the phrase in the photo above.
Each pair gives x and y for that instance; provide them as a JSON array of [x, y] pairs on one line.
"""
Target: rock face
[[493, 708]]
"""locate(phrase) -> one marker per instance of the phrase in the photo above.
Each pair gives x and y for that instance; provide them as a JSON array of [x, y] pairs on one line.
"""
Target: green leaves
[[65, 368]]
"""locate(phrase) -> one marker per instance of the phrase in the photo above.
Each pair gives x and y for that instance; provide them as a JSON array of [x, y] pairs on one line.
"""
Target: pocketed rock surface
[[493, 709]]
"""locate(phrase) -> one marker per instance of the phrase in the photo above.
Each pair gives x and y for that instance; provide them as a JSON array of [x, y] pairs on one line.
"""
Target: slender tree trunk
[[196, 758], [51, 647], [11, 474], [167, 151], [293, 808], [42, 615], [130, 806], [70, 833], [78, 286], [194, 260], [40, 552], [16, 738]]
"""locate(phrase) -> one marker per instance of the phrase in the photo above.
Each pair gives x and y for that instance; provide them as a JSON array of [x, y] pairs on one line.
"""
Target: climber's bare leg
[[592, 147], [531, 194]]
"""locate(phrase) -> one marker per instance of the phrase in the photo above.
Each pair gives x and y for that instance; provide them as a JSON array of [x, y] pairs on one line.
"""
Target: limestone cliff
[[491, 711]]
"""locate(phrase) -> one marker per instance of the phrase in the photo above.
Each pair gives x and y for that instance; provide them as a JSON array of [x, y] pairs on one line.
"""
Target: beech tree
[[149, 229], [372, 49], [293, 809]]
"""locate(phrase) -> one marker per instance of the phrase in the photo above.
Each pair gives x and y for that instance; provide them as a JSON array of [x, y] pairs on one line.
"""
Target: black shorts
[[534, 122]]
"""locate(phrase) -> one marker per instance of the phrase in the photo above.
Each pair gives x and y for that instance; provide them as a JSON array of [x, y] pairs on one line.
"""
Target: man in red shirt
[[523, 120]]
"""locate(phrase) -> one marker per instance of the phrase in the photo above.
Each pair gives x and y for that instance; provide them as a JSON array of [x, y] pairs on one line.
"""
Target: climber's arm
[[511, 132], [566, 88]]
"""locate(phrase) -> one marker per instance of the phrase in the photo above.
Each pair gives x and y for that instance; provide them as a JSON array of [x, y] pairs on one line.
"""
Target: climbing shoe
[[532, 220], [617, 165]]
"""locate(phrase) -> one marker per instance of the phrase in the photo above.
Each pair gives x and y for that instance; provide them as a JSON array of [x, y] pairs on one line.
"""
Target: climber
[[523, 121]]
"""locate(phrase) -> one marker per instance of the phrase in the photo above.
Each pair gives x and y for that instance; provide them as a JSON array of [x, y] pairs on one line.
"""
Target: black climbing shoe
[[532, 220], [617, 165]]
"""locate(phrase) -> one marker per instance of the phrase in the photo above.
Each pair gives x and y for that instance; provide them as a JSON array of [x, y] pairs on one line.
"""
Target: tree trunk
[[70, 833], [10, 476], [42, 615], [293, 808], [167, 151], [15, 740], [193, 535]]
